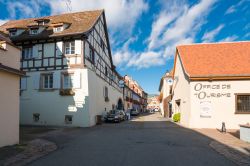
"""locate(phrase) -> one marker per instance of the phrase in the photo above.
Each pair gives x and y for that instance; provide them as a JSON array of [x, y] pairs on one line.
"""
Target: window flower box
[[67, 92]]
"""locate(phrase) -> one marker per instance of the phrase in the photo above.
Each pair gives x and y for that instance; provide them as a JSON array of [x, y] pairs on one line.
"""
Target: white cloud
[[231, 9], [119, 13], [24, 9], [247, 35], [159, 25], [209, 36], [234, 8], [183, 29], [3, 21], [174, 25], [229, 38], [146, 59]]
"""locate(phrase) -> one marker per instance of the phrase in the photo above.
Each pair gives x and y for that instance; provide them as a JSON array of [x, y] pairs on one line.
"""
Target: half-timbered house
[[71, 76]]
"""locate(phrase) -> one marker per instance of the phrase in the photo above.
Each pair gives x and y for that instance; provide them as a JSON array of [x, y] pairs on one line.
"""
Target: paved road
[[145, 141]]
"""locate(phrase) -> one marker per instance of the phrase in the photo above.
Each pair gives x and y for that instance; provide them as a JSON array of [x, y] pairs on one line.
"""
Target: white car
[[156, 109]]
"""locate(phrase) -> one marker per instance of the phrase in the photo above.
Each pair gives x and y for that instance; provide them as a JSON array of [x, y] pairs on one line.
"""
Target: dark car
[[115, 116], [134, 112]]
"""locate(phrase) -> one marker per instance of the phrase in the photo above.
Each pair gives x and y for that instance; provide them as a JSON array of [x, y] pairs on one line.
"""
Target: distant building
[[211, 84], [153, 103], [71, 75], [165, 97], [134, 96], [9, 92]]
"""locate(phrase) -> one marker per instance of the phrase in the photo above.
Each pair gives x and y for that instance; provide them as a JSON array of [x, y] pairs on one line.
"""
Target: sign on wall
[[72, 108], [205, 109], [205, 91]]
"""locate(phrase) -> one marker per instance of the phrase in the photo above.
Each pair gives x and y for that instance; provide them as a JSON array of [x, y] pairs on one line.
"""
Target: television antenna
[[69, 6]]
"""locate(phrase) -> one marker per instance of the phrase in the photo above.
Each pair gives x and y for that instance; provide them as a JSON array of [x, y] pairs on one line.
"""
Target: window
[[102, 45], [58, 29], [23, 83], [47, 81], [27, 53], [36, 117], [68, 81], [13, 33], [34, 31], [68, 119], [242, 103], [92, 55], [106, 98], [106, 71], [105, 91], [70, 47]]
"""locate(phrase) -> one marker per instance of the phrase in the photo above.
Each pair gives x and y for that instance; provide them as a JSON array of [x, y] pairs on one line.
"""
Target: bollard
[[223, 127]]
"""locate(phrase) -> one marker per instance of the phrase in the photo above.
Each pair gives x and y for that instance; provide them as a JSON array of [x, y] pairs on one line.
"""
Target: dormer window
[[13, 33], [58, 29], [43, 21], [59, 26], [34, 31]]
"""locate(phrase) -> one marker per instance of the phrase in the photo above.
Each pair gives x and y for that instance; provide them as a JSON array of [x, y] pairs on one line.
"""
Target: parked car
[[151, 111], [134, 112], [115, 116], [156, 109]]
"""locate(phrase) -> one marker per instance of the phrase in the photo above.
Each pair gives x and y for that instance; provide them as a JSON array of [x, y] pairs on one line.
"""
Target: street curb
[[35, 149], [237, 157]]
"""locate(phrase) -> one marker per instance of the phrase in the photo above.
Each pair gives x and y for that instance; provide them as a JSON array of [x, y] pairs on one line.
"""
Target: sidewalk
[[228, 145]]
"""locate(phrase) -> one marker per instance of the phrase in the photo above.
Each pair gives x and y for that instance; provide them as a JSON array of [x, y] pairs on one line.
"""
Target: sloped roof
[[80, 22], [168, 74], [216, 59]]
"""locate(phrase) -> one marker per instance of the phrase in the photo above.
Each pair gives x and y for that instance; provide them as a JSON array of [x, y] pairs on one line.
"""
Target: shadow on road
[[146, 140]]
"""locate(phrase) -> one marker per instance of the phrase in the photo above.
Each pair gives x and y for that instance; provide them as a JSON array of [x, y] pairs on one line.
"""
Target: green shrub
[[177, 117]]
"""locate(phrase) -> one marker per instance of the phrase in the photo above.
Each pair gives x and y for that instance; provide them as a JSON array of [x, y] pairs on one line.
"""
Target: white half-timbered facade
[[70, 74]]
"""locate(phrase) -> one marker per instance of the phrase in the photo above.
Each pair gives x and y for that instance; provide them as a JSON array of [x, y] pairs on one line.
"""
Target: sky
[[144, 33]]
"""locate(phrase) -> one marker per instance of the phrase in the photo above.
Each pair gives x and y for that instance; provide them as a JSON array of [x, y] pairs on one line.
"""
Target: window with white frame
[[27, 53], [58, 29], [68, 79], [47, 81], [69, 47]]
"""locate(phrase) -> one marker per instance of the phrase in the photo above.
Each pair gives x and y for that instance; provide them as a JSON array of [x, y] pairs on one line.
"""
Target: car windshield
[[112, 112]]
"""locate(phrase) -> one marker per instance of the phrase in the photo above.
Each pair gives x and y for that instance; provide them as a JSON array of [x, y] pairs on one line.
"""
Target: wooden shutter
[[56, 80], [36, 81], [77, 79], [59, 48], [86, 49], [35, 51], [23, 83], [78, 47]]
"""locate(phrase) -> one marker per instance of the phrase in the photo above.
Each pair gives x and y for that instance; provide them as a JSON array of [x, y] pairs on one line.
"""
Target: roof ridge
[[34, 18], [215, 43]]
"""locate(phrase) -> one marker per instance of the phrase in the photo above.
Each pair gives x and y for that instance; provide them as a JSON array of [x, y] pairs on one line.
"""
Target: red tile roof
[[217, 59], [80, 22]]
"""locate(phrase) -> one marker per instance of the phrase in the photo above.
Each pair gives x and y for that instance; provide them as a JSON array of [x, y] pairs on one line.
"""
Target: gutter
[[12, 70]]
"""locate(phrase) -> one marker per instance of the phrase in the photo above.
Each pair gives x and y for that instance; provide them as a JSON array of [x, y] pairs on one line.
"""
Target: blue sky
[[144, 33]]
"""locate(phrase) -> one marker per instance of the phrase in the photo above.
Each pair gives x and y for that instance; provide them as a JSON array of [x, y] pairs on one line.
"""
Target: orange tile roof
[[217, 59]]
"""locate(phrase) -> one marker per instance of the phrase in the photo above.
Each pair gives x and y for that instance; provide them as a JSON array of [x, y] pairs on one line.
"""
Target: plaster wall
[[9, 109]]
